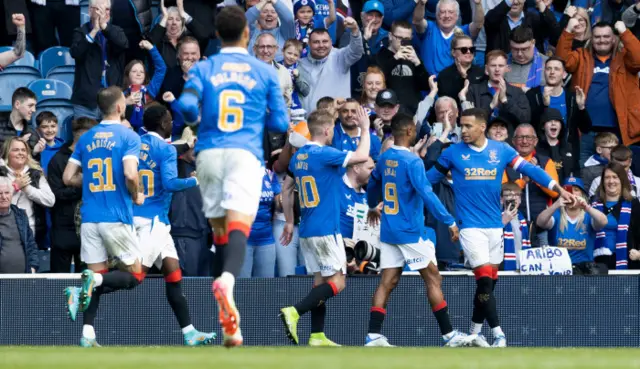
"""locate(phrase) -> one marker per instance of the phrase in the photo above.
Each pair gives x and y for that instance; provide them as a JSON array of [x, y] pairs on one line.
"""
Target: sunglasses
[[466, 50]]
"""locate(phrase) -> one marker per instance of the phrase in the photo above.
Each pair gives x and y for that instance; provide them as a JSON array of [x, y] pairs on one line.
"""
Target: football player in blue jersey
[[239, 95], [158, 179], [477, 165], [400, 177], [105, 164], [353, 192], [318, 169]]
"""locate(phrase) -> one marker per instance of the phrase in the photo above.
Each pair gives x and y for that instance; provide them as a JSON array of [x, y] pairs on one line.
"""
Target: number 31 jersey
[[318, 172], [100, 153], [238, 94]]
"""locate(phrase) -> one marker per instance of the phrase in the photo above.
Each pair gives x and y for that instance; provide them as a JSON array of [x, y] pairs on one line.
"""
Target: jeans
[[290, 256], [259, 262], [83, 111], [587, 147]]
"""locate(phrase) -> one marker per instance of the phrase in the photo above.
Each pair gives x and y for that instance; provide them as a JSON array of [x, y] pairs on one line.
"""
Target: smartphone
[[406, 43], [510, 204], [437, 129]]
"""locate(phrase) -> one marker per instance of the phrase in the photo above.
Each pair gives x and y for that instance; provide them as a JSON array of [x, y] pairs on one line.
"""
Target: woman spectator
[[574, 226], [32, 191], [260, 259], [175, 24], [372, 83], [582, 31], [138, 90], [274, 17], [614, 199]]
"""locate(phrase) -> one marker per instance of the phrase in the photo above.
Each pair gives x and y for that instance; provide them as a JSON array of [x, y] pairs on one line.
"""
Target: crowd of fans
[[558, 80]]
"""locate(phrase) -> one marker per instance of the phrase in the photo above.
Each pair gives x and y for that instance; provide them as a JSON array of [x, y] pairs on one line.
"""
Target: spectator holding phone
[[516, 229]]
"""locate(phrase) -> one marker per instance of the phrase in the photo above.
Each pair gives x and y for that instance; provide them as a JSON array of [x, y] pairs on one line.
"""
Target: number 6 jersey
[[100, 153], [238, 94]]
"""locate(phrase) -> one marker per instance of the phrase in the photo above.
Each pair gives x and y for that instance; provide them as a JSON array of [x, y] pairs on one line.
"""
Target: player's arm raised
[[539, 176], [189, 101], [364, 146], [169, 173]]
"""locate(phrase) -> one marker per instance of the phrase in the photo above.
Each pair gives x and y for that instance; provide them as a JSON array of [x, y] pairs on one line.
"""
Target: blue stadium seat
[[10, 80], [54, 57], [64, 73], [46, 89], [65, 129], [62, 108], [25, 64]]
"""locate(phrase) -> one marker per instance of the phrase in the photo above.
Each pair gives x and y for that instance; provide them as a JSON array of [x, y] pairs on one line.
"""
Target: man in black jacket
[[18, 121], [403, 70], [65, 243], [554, 145], [570, 105], [135, 18], [98, 48]]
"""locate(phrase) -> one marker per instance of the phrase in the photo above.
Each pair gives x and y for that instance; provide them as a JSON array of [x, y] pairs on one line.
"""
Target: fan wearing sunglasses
[[462, 69]]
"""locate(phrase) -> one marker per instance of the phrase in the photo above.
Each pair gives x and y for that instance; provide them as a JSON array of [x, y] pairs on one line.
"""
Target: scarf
[[510, 256], [295, 98], [67, 2], [621, 235], [600, 159], [102, 41], [304, 38], [534, 79], [138, 109]]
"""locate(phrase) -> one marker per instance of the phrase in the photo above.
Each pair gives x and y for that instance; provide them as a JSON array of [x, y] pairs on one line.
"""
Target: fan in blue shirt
[[158, 174], [477, 165], [346, 135], [353, 192], [400, 176], [317, 169]]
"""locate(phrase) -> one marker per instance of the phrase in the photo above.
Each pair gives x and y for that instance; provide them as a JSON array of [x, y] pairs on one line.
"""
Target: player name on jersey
[[101, 141]]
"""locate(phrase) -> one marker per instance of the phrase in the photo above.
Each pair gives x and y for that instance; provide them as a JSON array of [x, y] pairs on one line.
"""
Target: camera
[[405, 43], [365, 252], [510, 204]]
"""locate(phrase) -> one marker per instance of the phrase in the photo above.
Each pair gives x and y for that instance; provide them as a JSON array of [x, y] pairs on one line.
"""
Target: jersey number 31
[[103, 173], [230, 117]]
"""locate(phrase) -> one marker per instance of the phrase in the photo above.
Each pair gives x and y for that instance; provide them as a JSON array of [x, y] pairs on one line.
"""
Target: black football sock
[[318, 295], [317, 318], [119, 280], [441, 312], [376, 318], [234, 252], [178, 303]]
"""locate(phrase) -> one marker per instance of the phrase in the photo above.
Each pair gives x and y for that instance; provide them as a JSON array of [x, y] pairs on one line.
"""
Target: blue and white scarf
[[510, 257], [621, 235], [534, 79], [303, 37]]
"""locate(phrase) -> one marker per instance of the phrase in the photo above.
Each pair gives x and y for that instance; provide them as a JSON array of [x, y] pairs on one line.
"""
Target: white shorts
[[416, 256], [230, 179], [482, 246], [324, 254], [155, 241], [99, 241]]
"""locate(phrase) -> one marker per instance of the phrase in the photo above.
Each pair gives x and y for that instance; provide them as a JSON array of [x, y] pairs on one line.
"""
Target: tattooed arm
[[20, 46]]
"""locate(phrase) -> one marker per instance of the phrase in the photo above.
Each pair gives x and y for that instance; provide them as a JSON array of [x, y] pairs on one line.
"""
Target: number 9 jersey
[[100, 153]]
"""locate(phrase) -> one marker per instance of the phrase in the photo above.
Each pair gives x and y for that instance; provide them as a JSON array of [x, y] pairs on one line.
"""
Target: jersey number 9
[[103, 173], [310, 183], [230, 117], [390, 199], [146, 182]]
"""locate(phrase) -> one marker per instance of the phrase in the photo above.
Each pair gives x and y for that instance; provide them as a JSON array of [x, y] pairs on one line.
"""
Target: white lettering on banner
[[361, 229], [546, 260], [601, 70]]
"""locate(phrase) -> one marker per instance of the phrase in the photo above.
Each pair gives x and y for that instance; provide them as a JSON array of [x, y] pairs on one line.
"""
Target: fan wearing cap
[[274, 17], [306, 20], [554, 144], [435, 37], [574, 226], [387, 106], [346, 134]]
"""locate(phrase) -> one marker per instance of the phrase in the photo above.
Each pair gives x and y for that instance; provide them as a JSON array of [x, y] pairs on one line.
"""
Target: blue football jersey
[[400, 175], [100, 153], [318, 172], [262, 229], [477, 174], [579, 242], [158, 172], [348, 199], [238, 94], [342, 141]]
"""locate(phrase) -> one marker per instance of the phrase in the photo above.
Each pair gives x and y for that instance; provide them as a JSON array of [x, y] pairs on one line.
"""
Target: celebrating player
[[239, 95], [477, 165], [318, 170], [159, 178], [105, 164], [405, 191]]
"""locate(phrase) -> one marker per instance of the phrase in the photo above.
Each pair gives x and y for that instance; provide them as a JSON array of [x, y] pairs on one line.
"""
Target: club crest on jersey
[[493, 157], [466, 157]]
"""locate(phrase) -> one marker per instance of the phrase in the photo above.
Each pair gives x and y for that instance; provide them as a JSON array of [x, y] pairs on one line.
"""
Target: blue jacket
[[185, 215], [49, 152], [27, 239]]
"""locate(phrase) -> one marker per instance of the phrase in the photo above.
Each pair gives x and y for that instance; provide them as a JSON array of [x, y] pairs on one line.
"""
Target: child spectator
[[47, 128], [138, 90], [306, 20], [574, 227], [291, 54], [593, 167], [516, 229], [623, 156]]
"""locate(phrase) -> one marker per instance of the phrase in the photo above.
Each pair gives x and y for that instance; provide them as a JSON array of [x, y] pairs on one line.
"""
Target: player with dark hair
[[239, 95], [158, 179], [400, 176], [105, 164], [318, 169], [477, 165]]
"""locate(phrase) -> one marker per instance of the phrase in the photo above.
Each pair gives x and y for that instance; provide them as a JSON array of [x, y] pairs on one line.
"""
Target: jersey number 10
[[310, 183], [146, 177], [230, 118], [103, 173]]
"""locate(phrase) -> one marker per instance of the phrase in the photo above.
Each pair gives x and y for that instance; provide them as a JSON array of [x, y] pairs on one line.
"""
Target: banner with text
[[546, 260]]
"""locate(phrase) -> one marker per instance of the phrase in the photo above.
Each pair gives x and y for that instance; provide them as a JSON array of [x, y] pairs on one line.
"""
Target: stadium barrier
[[552, 311]]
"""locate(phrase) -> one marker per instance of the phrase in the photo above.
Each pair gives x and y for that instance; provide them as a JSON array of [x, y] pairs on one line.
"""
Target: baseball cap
[[573, 181], [373, 5], [387, 97], [551, 114]]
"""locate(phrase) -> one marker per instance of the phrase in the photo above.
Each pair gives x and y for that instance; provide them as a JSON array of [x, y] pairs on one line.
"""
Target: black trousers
[[56, 15], [61, 260]]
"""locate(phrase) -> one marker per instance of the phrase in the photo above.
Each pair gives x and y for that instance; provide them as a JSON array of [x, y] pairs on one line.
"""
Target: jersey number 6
[[230, 118]]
